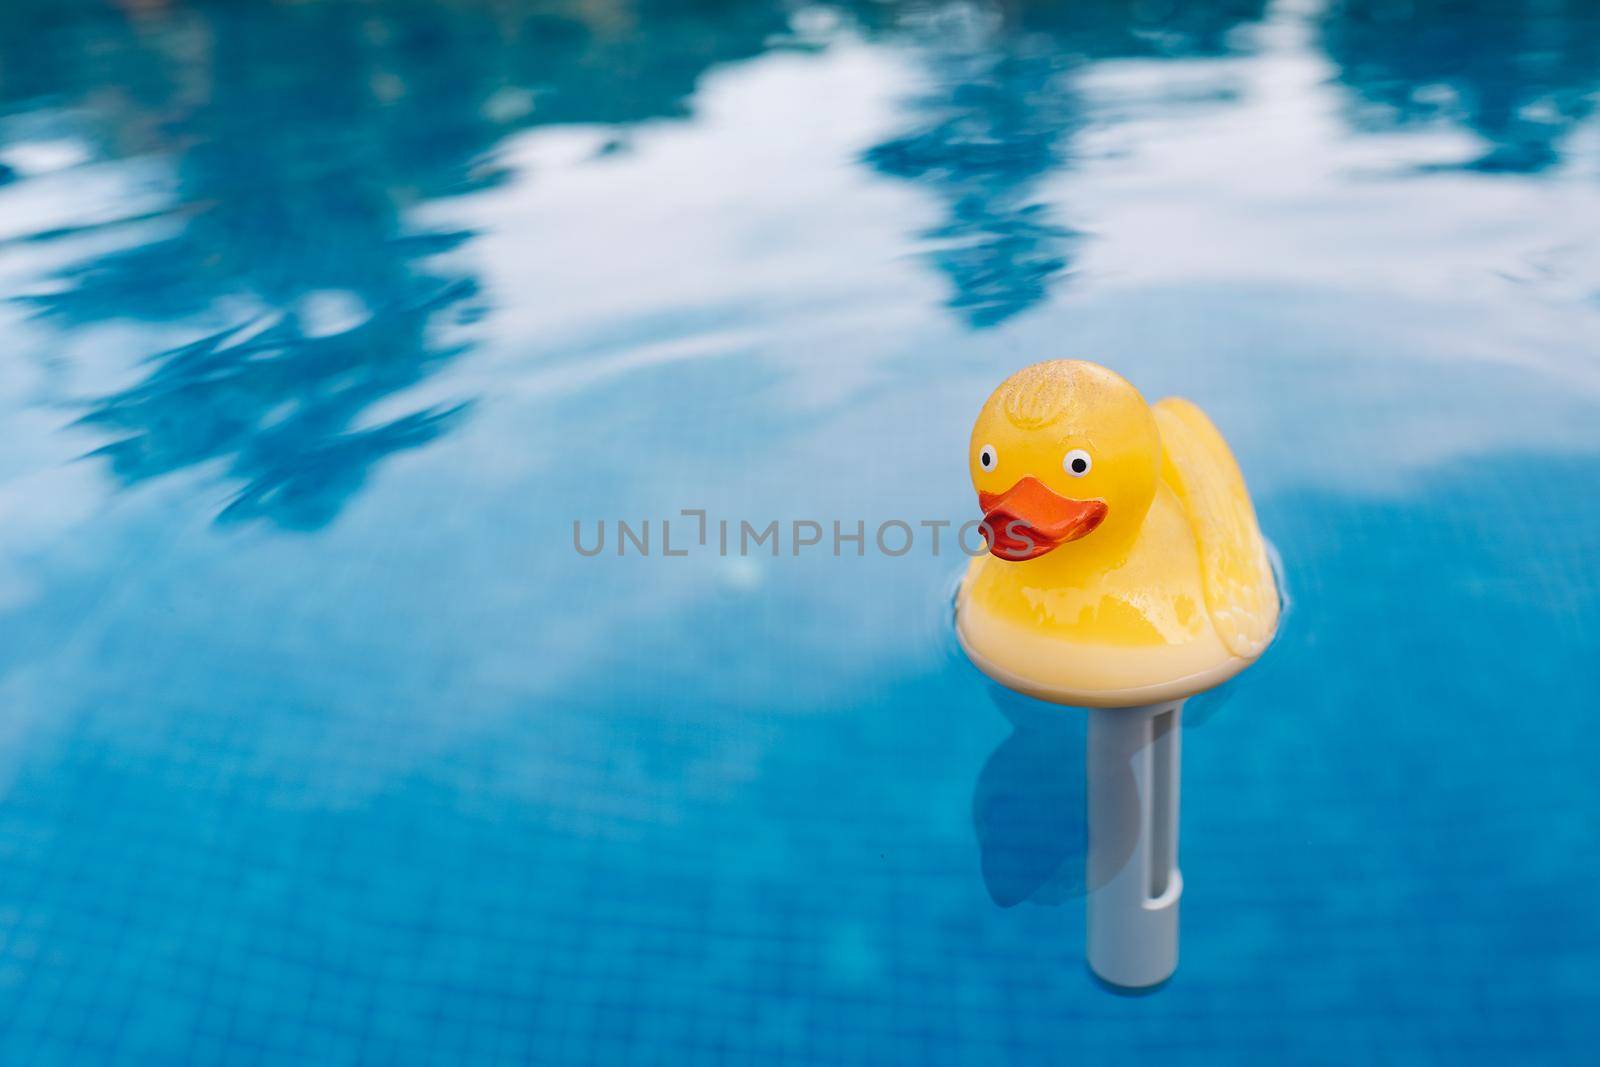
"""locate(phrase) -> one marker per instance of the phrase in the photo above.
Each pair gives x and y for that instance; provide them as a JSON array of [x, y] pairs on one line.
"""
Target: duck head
[[1063, 451]]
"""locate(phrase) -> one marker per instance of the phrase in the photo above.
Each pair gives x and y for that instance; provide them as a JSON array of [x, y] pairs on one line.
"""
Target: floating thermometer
[[1125, 574]]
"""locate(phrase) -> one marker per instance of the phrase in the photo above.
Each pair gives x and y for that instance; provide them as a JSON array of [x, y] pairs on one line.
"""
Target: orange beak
[[1028, 520]]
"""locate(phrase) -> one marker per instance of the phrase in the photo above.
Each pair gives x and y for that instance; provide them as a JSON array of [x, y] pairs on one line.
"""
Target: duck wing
[[1241, 590]]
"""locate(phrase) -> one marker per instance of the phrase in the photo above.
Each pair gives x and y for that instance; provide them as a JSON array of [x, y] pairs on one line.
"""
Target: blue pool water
[[323, 322]]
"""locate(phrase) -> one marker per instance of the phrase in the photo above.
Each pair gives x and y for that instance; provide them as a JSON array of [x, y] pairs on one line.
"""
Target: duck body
[[1133, 571]]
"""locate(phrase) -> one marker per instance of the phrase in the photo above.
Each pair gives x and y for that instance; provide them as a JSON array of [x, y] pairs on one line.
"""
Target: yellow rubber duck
[[1125, 566]]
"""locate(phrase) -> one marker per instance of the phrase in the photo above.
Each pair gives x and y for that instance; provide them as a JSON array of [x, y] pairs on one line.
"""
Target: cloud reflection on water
[[304, 145]]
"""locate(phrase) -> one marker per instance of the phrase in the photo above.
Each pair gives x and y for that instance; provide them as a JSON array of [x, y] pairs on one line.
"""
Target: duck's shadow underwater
[[1029, 803]]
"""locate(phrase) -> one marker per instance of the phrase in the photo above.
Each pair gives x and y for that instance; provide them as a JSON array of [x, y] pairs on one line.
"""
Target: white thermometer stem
[[1133, 877]]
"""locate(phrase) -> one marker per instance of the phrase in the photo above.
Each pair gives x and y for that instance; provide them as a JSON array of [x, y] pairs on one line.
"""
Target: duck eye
[[1077, 463], [988, 458]]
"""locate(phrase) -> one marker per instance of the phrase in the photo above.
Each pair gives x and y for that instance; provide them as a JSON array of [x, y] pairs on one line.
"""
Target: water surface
[[324, 322]]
